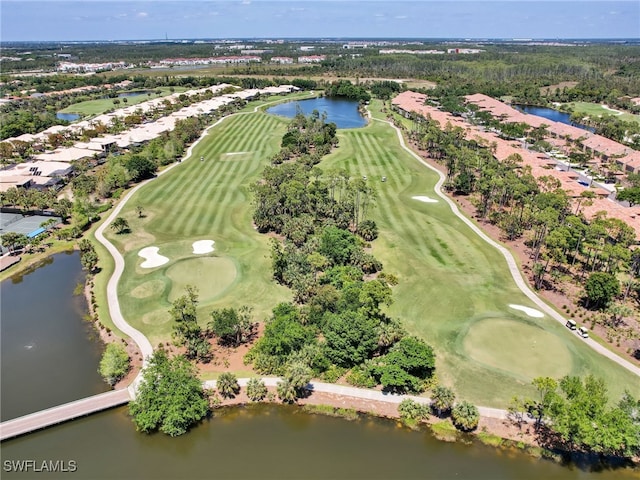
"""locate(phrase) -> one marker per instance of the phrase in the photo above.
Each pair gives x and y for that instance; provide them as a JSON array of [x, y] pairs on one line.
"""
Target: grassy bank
[[30, 260]]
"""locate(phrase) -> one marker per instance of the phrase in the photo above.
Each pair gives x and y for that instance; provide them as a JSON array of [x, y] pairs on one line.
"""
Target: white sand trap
[[151, 257], [422, 198], [236, 153], [532, 312], [203, 246]]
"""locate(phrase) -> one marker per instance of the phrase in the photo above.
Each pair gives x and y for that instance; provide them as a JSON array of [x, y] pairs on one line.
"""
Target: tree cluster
[[575, 414], [115, 363], [170, 397], [338, 321], [346, 89]]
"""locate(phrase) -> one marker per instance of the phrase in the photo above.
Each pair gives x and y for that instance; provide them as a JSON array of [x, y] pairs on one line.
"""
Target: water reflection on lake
[[279, 442], [551, 114], [49, 354], [344, 113]]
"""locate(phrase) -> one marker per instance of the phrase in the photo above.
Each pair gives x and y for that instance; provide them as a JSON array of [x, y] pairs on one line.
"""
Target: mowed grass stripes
[[454, 288], [202, 200]]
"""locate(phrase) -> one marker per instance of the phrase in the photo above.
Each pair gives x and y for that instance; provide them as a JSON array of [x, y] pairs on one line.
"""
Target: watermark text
[[38, 466]]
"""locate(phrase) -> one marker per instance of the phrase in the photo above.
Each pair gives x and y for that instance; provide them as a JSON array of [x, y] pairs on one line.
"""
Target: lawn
[[454, 288], [595, 109], [97, 107], [202, 200]]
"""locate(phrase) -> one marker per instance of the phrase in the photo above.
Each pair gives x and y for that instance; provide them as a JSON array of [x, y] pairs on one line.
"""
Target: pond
[[49, 354], [280, 442], [136, 93], [551, 114], [68, 117], [344, 113]]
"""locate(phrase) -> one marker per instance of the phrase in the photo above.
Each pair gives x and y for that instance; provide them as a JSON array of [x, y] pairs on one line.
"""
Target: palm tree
[[442, 399], [120, 225], [286, 391], [299, 374], [465, 416], [256, 389], [228, 385]]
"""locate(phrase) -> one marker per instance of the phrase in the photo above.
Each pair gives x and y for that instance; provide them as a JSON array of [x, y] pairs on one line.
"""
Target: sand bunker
[[203, 246], [151, 257], [422, 198], [532, 312], [236, 153]]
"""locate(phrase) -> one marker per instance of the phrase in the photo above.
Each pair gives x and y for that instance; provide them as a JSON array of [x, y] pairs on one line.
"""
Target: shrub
[[333, 373], [114, 364], [412, 410], [361, 377]]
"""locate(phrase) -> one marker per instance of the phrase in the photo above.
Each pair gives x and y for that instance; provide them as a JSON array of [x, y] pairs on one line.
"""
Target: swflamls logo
[[37, 466]]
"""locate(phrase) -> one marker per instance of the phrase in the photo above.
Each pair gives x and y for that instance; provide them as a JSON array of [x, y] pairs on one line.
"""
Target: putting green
[[517, 348], [210, 275]]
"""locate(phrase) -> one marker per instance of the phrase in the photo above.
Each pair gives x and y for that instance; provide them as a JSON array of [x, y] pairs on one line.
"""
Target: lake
[[551, 114], [49, 354], [277, 441], [344, 113], [68, 117], [135, 93]]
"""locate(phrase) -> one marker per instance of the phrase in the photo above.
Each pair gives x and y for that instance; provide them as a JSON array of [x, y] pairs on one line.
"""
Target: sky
[[83, 20]]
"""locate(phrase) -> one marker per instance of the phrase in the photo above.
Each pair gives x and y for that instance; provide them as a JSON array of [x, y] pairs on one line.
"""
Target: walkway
[[63, 413], [365, 394], [513, 266]]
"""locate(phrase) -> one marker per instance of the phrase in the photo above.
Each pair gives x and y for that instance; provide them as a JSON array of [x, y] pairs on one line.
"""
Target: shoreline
[[492, 432]]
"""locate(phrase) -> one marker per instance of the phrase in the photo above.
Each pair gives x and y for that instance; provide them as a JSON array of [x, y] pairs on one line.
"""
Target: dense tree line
[[346, 89], [337, 322], [576, 415]]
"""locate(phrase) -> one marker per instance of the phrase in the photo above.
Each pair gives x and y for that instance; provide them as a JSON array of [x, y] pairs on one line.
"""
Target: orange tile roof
[[414, 102]]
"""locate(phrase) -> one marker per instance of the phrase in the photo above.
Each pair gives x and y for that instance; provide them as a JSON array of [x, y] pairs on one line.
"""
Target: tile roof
[[540, 164]]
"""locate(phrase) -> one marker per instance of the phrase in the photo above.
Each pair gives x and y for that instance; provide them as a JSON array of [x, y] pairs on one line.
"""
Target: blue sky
[[25, 20]]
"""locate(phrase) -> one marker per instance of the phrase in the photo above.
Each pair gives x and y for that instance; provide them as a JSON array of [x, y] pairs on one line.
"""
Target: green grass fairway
[[450, 279], [97, 107], [202, 200], [595, 109]]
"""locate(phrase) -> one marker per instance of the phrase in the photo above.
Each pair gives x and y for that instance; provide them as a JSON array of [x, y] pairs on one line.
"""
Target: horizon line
[[464, 39]]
